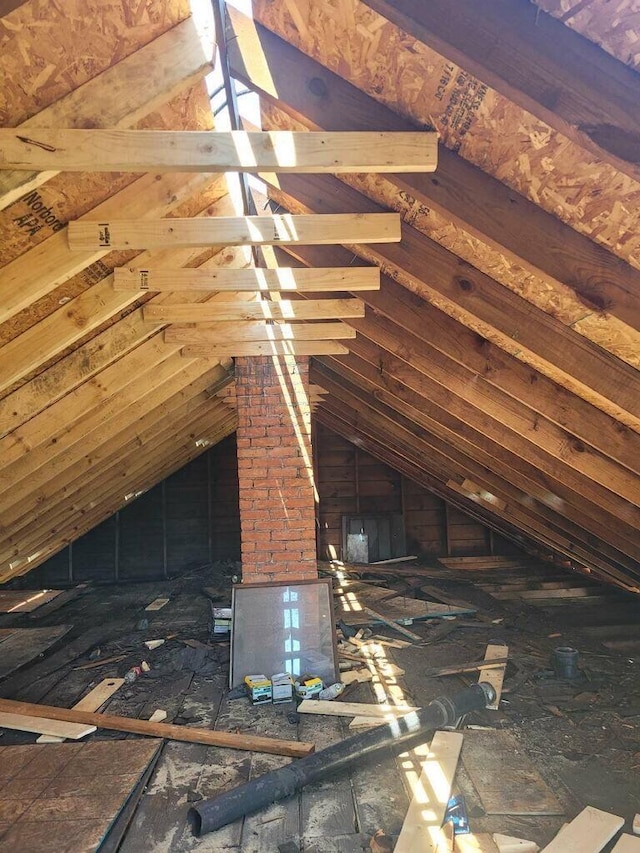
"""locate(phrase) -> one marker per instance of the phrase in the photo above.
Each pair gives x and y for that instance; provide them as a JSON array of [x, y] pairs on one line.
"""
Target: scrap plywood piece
[[421, 830], [280, 280], [494, 676], [68, 796], [239, 309], [157, 604], [506, 781], [284, 229], [38, 725], [627, 844], [353, 709], [271, 348], [509, 844], [94, 700], [72, 150], [589, 832], [24, 644], [25, 600]]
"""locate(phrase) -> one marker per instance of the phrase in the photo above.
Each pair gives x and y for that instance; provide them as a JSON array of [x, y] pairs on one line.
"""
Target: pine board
[[419, 832], [351, 709], [507, 782], [627, 844], [91, 702], [589, 832], [39, 725], [25, 644]]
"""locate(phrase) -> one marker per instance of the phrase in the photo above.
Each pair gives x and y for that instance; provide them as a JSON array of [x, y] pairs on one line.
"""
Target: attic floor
[[583, 737]]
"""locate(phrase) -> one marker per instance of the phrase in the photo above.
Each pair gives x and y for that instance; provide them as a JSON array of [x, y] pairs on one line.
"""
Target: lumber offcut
[[589, 832], [252, 743]]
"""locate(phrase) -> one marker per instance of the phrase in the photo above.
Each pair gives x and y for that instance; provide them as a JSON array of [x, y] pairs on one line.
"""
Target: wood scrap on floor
[[475, 842], [252, 743], [93, 701], [589, 832], [58, 729], [504, 777], [67, 796], [494, 677], [157, 604], [24, 644], [379, 617], [509, 844], [421, 830], [356, 676], [627, 844], [352, 709], [94, 664]]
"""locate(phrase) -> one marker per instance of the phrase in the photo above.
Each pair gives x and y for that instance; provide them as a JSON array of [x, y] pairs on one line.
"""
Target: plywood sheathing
[[485, 128], [612, 24], [48, 49], [561, 302]]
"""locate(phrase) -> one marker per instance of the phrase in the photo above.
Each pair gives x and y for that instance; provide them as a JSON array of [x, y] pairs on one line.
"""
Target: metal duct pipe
[[210, 815]]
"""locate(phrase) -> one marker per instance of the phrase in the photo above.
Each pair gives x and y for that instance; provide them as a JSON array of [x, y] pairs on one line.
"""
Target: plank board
[[475, 842], [313, 229], [25, 644], [217, 151], [39, 725], [25, 600], [421, 827], [235, 310], [506, 781], [94, 700], [509, 844], [352, 709], [493, 675], [220, 333], [627, 844], [157, 604], [280, 348], [280, 280], [67, 796], [589, 832]]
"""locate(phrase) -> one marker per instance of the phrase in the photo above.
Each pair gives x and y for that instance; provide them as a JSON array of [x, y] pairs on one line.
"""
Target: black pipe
[[444, 711]]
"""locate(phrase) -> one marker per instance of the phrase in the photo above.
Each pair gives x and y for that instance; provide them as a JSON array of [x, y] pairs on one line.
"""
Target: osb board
[[562, 302], [24, 644], [25, 600], [506, 781], [484, 127], [65, 797], [613, 24], [49, 48]]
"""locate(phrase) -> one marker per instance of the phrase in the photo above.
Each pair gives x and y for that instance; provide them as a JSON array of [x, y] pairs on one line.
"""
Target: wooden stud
[[236, 310], [222, 333], [282, 279], [102, 236], [216, 151]]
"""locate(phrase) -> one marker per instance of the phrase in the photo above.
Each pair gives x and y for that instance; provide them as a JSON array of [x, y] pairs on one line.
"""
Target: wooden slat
[[222, 333], [474, 200], [94, 700], [280, 348], [421, 828], [59, 730], [208, 737], [235, 310], [217, 151], [380, 617], [86, 236], [283, 279], [627, 844], [537, 62], [353, 709], [589, 832], [119, 96]]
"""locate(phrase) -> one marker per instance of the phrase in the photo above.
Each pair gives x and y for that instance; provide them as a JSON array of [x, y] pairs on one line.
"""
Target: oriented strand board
[[24, 644], [506, 781]]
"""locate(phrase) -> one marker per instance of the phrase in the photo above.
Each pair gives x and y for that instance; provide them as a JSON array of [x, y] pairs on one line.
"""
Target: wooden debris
[[475, 842], [251, 743], [356, 676], [352, 709], [93, 701], [39, 725], [627, 844], [636, 824], [589, 832], [431, 795], [509, 844], [392, 624], [365, 722], [94, 664], [153, 644], [158, 716], [495, 677], [157, 604]]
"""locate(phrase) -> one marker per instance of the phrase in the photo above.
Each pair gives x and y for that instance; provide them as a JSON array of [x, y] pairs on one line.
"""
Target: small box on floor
[[259, 688], [282, 687], [220, 622]]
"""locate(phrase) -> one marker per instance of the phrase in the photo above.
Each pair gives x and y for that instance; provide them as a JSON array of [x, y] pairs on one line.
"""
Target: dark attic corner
[[319, 426]]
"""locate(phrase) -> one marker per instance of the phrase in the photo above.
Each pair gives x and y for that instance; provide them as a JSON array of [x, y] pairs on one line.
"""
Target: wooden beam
[[251, 331], [284, 309], [488, 209], [217, 151], [538, 63], [481, 303], [103, 236], [282, 279], [38, 271], [120, 96], [208, 737], [273, 348]]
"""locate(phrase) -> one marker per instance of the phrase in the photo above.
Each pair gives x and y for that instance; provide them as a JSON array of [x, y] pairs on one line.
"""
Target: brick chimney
[[275, 469]]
